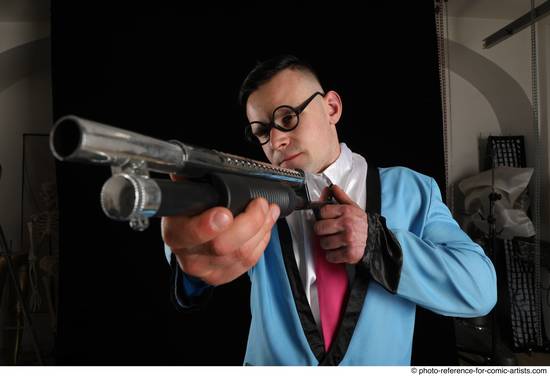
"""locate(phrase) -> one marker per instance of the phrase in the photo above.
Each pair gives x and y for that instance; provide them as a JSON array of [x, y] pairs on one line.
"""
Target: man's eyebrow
[[268, 115], [262, 119], [270, 112]]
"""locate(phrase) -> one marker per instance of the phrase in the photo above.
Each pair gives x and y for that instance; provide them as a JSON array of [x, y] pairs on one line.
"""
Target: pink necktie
[[332, 285]]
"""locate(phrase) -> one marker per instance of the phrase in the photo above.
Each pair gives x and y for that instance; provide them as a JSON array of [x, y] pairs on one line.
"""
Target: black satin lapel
[[374, 192], [354, 305], [354, 301], [312, 333], [359, 287]]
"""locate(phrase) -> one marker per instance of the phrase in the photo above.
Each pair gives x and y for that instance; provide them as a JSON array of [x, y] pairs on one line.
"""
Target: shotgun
[[212, 178]]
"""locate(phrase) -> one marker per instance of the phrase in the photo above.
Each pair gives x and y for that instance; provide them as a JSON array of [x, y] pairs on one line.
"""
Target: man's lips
[[290, 158]]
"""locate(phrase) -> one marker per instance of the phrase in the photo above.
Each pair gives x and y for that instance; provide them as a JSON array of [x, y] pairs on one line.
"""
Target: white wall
[[490, 94], [25, 107]]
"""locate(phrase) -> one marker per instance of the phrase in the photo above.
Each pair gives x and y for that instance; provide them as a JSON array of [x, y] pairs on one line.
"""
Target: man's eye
[[285, 117], [287, 120], [259, 130]]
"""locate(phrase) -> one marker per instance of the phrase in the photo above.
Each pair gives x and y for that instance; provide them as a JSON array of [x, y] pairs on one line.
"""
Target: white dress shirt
[[349, 172]]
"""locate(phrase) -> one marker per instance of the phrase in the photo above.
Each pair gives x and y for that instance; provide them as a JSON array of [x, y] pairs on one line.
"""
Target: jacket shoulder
[[406, 197], [405, 175]]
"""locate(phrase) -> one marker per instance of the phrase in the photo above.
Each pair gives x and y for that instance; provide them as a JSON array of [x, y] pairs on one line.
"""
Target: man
[[387, 244]]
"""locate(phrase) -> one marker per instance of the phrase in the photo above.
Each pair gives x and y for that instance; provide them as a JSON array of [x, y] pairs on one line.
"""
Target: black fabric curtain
[[173, 72]]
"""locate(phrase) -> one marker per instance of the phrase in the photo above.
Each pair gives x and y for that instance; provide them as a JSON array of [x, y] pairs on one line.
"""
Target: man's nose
[[278, 139]]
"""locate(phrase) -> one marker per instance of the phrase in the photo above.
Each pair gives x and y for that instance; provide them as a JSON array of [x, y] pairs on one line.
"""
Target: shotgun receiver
[[212, 178]]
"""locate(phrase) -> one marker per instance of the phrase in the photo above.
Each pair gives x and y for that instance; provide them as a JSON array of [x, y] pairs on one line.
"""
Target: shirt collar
[[341, 167]]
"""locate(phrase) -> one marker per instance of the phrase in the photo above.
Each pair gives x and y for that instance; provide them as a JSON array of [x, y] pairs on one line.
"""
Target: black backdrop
[[173, 72]]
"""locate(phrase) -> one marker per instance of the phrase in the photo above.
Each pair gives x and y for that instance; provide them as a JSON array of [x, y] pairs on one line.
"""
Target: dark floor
[[28, 358], [524, 359], [521, 359], [470, 336], [533, 359]]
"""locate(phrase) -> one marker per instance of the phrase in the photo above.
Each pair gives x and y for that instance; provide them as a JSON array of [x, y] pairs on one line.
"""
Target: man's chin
[[296, 166], [291, 164]]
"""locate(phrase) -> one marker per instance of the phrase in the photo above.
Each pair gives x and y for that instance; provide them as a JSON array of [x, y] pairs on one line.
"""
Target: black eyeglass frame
[[297, 110]]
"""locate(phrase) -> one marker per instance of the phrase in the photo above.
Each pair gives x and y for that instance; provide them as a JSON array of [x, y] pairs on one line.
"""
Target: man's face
[[313, 145]]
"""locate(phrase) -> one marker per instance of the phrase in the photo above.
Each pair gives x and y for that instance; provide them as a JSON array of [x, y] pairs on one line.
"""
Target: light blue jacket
[[443, 270]]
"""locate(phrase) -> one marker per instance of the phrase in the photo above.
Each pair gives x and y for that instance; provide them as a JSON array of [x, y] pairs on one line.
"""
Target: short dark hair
[[266, 70]]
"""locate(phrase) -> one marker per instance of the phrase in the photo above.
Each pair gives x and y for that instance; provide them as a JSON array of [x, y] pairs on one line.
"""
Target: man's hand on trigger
[[342, 229]]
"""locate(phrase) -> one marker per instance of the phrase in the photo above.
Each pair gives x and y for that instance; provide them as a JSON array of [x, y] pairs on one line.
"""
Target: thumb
[[325, 194], [188, 232], [341, 196]]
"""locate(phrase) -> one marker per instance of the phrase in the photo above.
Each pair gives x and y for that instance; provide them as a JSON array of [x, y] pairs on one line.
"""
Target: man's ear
[[334, 104]]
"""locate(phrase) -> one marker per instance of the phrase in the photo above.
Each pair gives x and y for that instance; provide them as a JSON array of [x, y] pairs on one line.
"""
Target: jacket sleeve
[[443, 269], [439, 268], [187, 293]]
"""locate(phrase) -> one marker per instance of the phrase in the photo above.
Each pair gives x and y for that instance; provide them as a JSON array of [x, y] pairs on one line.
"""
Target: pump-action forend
[[212, 178]]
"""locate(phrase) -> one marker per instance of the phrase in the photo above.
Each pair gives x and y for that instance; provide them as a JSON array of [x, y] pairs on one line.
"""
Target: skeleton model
[[43, 230]]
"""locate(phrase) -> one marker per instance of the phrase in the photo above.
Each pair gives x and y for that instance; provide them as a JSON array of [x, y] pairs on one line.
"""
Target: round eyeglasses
[[284, 118]]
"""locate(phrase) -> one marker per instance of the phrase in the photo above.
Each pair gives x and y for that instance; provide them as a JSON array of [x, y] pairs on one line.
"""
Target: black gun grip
[[237, 191], [186, 197]]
